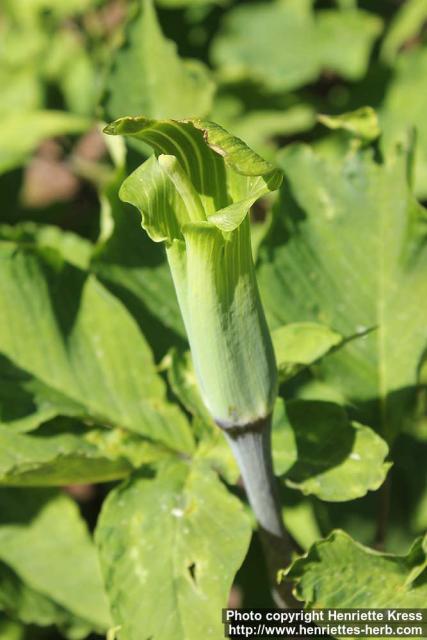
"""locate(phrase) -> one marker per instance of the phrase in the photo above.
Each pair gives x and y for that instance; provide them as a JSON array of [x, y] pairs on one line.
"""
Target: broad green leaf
[[339, 572], [62, 327], [404, 108], [299, 344], [21, 133], [26, 402], [30, 606], [348, 249], [45, 542], [362, 123], [320, 452], [170, 546], [149, 77], [67, 453], [283, 44], [407, 23]]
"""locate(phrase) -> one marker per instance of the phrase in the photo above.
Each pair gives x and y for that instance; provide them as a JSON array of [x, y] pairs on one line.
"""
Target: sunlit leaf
[[348, 249], [148, 77], [339, 572], [62, 327], [44, 541], [168, 558]]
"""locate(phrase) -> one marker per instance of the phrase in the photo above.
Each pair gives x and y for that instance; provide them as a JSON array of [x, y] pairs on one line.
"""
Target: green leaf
[[339, 572], [67, 453], [300, 344], [148, 76], [348, 249], [21, 133], [404, 108], [45, 542], [362, 123], [200, 534], [33, 607], [11, 630], [407, 23], [61, 326], [252, 36], [320, 452], [73, 248]]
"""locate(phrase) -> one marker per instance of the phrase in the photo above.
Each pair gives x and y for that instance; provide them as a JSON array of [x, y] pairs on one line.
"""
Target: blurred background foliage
[[262, 69]]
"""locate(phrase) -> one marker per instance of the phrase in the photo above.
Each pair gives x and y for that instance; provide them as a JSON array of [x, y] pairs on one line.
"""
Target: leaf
[[362, 123], [73, 248], [46, 543], [299, 344], [156, 595], [11, 630], [26, 402], [21, 133], [348, 249], [404, 108], [320, 452], [148, 76], [65, 452], [284, 45], [32, 607], [406, 24], [63, 328], [339, 572]]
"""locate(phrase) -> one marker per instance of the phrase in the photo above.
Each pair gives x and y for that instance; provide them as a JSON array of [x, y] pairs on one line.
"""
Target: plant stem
[[251, 445]]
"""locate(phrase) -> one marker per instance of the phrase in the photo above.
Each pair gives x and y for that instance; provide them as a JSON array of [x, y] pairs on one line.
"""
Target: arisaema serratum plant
[[194, 194]]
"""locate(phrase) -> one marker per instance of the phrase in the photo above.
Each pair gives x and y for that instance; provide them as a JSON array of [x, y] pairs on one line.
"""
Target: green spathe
[[194, 194]]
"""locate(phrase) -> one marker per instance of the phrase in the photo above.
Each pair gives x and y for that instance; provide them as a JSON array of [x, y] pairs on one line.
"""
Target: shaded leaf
[[320, 452], [196, 554], [30, 606]]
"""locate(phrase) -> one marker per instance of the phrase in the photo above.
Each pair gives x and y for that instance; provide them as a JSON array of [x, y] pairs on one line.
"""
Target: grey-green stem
[[251, 445]]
